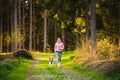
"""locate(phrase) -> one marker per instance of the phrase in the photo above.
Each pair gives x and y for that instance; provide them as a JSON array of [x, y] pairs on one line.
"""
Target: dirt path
[[71, 75], [31, 75], [41, 70]]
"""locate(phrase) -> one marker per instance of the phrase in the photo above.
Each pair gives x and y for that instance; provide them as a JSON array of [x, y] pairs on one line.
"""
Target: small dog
[[52, 60]]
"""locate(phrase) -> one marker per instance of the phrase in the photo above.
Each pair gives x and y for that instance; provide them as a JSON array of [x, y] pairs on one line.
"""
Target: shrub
[[106, 50], [107, 58]]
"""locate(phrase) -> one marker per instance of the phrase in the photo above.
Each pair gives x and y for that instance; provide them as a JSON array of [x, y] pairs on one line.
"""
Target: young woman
[[58, 49]]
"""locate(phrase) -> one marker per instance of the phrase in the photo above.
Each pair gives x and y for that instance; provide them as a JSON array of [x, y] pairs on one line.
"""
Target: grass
[[54, 73], [11, 69], [7, 66], [87, 72], [90, 73], [20, 73], [43, 71]]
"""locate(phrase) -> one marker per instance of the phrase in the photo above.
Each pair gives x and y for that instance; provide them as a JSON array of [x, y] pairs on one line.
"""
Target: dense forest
[[89, 30], [35, 24]]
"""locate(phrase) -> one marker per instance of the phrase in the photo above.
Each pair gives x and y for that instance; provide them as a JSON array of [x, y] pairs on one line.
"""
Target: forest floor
[[41, 70]]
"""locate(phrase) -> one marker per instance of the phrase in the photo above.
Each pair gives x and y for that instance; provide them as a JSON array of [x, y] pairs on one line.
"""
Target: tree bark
[[12, 23], [1, 21], [77, 40], [119, 22], [45, 30], [34, 39], [15, 24], [20, 29], [30, 36], [63, 36], [93, 26], [23, 23], [55, 33], [87, 28]]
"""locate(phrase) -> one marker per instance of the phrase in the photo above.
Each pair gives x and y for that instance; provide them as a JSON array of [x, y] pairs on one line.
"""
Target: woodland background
[[35, 24]]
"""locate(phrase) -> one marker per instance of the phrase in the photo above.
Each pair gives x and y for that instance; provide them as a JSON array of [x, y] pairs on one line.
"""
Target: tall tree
[[23, 22], [34, 28], [45, 30], [15, 24], [93, 26], [20, 27], [55, 32], [119, 21], [30, 36], [1, 22], [87, 27]]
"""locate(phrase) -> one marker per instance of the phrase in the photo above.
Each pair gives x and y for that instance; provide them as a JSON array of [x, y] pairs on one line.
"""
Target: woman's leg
[[59, 54]]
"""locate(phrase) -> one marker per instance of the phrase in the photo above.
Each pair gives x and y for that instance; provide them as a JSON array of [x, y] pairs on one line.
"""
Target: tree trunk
[[8, 27], [15, 24], [20, 29], [119, 22], [45, 30], [34, 39], [93, 26], [55, 33], [63, 36], [77, 36], [11, 22], [30, 37], [1, 21], [87, 28], [23, 23], [77, 40]]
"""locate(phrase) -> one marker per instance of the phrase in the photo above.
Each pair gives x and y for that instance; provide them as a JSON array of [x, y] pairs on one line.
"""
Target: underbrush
[[106, 60]]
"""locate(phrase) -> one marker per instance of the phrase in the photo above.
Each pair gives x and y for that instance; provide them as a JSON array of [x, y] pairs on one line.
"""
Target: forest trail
[[41, 70], [31, 74]]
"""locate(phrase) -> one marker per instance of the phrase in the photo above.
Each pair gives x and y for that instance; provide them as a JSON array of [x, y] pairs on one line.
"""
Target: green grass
[[20, 72], [7, 66], [83, 71], [11, 70], [45, 71], [90, 73], [86, 72]]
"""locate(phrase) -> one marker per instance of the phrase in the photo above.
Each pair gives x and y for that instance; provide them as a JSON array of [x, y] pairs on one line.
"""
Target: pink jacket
[[59, 47]]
